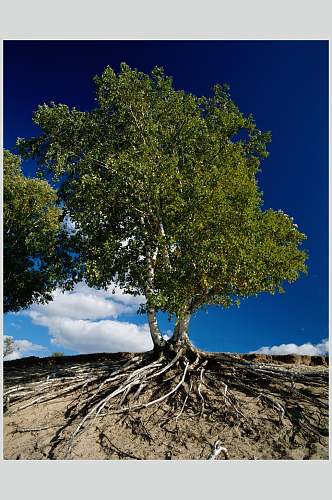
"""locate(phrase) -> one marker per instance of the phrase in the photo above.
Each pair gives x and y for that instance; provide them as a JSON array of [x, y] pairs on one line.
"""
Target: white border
[[166, 20]]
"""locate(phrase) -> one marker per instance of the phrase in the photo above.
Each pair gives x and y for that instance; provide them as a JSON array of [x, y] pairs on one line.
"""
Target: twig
[[37, 429], [217, 449]]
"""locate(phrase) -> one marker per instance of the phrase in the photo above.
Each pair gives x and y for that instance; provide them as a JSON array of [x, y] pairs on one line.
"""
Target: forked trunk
[[179, 340]]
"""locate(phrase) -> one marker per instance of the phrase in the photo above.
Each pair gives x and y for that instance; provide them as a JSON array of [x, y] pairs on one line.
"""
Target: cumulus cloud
[[320, 349], [87, 303], [22, 348], [85, 320], [87, 336]]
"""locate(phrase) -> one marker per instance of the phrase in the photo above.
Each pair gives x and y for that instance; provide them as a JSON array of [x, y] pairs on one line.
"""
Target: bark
[[156, 336], [164, 246], [180, 335], [151, 258]]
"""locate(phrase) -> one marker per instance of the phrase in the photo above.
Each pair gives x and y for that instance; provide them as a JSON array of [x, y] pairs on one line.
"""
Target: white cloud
[[320, 349], [87, 336], [22, 348], [87, 303], [15, 325], [84, 320], [167, 335]]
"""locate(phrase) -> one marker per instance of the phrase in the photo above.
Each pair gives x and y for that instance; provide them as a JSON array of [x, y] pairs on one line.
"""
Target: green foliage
[[162, 186], [34, 250], [57, 354]]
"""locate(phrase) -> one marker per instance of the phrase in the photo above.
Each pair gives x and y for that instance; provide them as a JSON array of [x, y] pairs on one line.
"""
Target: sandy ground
[[30, 433]]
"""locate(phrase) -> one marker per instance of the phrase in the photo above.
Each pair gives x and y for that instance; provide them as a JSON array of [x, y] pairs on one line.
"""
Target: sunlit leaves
[[35, 256], [156, 171]]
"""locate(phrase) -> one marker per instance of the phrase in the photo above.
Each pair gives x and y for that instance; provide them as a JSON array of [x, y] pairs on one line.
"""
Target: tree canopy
[[162, 188], [34, 252]]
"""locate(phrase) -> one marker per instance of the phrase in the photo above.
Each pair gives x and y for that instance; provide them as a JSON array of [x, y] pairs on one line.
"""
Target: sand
[[30, 433]]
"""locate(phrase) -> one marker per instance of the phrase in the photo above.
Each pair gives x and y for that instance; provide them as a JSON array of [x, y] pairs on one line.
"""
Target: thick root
[[187, 383]]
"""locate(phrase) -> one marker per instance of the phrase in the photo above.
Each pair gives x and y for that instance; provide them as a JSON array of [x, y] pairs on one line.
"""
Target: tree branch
[[139, 128], [164, 246]]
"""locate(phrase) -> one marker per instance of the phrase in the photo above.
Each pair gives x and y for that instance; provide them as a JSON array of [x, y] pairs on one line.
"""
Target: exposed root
[[35, 429], [217, 449], [199, 390], [275, 405], [184, 402], [132, 387]]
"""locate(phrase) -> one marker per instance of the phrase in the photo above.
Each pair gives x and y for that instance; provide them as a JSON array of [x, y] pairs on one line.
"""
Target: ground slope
[[232, 419]]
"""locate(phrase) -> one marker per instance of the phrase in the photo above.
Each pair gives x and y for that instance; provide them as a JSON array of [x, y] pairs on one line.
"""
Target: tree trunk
[[180, 335], [158, 341], [156, 336]]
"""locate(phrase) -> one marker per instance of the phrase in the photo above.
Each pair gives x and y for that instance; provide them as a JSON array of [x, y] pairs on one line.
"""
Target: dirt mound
[[48, 362], [292, 359], [220, 412]]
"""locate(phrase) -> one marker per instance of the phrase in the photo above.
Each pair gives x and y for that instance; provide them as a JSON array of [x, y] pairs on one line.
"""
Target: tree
[[8, 345], [34, 252], [162, 187]]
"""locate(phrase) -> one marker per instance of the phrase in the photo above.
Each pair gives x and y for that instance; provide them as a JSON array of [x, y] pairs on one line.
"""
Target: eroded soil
[[158, 432]]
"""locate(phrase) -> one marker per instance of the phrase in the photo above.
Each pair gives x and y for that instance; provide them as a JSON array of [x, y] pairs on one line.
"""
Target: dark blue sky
[[284, 84]]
